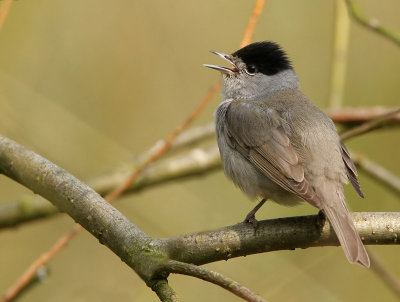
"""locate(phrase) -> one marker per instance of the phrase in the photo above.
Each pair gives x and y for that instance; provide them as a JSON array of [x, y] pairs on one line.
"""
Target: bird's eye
[[251, 70]]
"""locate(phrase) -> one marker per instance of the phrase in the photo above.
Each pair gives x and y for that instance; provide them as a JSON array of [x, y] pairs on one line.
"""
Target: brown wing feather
[[351, 170], [265, 143]]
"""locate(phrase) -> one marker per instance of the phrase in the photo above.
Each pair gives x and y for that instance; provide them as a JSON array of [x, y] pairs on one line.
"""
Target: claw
[[251, 218]]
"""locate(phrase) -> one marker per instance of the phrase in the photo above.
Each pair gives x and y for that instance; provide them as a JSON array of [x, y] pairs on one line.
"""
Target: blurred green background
[[88, 84]]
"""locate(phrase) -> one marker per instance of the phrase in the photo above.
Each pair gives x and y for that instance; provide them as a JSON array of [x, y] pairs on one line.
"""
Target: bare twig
[[25, 209], [5, 6], [192, 163], [359, 115], [372, 23], [27, 276], [248, 34], [376, 123], [378, 172], [385, 275], [234, 287], [164, 292], [339, 59], [41, 275], [167, 144], [193, 136]]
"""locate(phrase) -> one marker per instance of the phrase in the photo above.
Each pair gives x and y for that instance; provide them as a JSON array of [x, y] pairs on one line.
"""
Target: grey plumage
[[276, 144]]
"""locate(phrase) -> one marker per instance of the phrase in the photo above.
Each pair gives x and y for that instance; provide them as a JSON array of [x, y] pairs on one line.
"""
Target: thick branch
[[83, 204], [277, 234]]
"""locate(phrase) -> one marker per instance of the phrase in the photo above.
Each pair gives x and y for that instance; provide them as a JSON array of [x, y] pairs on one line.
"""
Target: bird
[[275, 144]]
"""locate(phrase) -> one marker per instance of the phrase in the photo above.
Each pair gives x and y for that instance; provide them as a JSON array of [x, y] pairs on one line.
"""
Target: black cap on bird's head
[[266, 57], [257, 70]]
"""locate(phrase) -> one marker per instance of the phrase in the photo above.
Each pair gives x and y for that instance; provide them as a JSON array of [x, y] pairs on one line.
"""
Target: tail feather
[[334, 206], [347, 235]]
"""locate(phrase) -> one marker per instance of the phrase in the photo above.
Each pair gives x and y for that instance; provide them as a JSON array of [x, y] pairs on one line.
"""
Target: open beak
[[223, 69]]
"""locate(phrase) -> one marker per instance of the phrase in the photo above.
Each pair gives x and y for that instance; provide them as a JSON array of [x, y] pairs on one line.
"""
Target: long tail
[[335, 209]]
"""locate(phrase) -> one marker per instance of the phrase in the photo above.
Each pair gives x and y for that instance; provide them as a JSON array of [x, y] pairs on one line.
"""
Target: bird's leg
[[251, 218]]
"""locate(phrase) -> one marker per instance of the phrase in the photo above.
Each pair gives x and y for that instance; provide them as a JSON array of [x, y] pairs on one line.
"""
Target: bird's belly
[[250, 180]]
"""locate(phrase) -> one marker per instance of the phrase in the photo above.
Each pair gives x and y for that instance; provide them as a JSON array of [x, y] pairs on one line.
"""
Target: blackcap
[[276, 144]]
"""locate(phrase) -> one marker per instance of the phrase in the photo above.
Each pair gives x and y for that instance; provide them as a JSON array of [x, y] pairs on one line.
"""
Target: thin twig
[[27, 276], [371, 125], [385, 275], [339, 59], [376, 171], [194, 162], [167, 144], [248, 34], [185, 140], [5, 6], [234, 287], [359, 115], [372, 23], [164, 292], [42, 274], [26, 208]]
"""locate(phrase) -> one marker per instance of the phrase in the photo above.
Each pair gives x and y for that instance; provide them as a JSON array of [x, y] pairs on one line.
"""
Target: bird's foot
[[251, 218]]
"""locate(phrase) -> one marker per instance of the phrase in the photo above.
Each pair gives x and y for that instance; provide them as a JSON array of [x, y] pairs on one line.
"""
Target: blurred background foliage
[[88, 84]]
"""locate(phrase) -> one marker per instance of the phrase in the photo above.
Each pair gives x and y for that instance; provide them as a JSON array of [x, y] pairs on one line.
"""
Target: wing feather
[[351, 170], [260, 136]]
